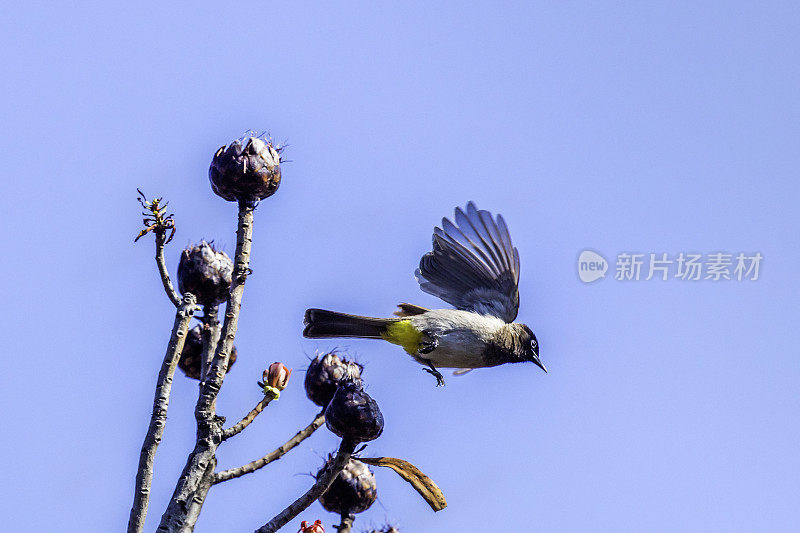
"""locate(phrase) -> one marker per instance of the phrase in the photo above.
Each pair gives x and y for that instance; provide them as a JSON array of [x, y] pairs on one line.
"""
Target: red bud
[[277, 375]]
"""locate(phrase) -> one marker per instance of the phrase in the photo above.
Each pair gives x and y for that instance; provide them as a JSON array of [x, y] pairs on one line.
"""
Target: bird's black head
[[530, 346]]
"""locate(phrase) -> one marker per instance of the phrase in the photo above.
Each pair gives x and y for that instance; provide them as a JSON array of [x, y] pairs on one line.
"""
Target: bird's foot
[[435, 373]]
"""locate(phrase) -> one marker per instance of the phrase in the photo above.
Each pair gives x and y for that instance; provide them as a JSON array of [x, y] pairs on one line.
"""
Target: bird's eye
[[534, 344]]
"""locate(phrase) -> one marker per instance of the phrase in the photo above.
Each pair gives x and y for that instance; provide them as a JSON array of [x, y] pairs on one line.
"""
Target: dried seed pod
[[191, 356], [353, 414], [323, 375], [249, 169], [206, 273], [352, 492]]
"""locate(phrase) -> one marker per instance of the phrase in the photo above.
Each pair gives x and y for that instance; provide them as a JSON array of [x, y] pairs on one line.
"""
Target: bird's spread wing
[[473, 265]]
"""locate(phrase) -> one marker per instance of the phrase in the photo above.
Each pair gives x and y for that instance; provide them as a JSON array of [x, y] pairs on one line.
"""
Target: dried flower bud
[[249, 169], [323, 375], [352, 492], [316, 527], [353, 414], [192, 354], [206, 273]]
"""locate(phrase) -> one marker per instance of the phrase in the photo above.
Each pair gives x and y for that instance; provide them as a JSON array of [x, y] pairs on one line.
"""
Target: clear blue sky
[[669, 406]]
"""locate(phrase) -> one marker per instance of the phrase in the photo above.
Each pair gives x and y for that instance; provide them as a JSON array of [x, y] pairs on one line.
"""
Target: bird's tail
[[322, 324]]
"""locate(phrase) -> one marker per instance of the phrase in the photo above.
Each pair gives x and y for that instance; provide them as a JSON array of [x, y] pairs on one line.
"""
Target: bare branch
[[199, 497], [209, 429], [274, 455], [211, 331], [249, 417], [324, 481], [159, 222], [162, 269], [241, 267], [158, 419]]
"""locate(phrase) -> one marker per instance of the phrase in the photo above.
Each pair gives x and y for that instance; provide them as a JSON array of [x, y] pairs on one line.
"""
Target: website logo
[[591, 266]]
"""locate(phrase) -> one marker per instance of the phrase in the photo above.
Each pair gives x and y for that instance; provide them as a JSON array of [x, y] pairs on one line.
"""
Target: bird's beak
[[538, 363]]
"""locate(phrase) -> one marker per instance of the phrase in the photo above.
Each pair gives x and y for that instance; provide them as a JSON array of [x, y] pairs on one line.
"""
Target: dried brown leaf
[[421, 483]]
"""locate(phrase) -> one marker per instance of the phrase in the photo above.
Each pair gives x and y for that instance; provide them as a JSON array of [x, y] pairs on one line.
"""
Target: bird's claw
[[438, 375], [435, 373]]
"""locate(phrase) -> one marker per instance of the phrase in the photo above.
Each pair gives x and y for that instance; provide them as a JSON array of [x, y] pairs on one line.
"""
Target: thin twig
[[324, 481], [347, 523], [209, 428], [158, 419], [162, 269], [159, 222], [274, 455], [248, 418]]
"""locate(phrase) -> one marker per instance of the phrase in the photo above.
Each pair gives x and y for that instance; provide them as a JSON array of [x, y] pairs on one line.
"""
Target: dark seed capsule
[[353, 414], [206, 273], [323, 375], [249, 169], [191, 356], [352, 492]]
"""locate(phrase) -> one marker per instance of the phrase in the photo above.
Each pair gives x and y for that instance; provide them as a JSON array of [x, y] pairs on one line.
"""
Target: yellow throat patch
[[403, 334]]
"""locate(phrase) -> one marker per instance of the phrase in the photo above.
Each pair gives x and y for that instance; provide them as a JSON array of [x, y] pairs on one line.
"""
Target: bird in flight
[[474, 267]]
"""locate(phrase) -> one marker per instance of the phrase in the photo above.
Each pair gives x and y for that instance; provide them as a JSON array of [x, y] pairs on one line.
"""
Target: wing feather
[[474, 265], [473, 218], [476, 254]]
